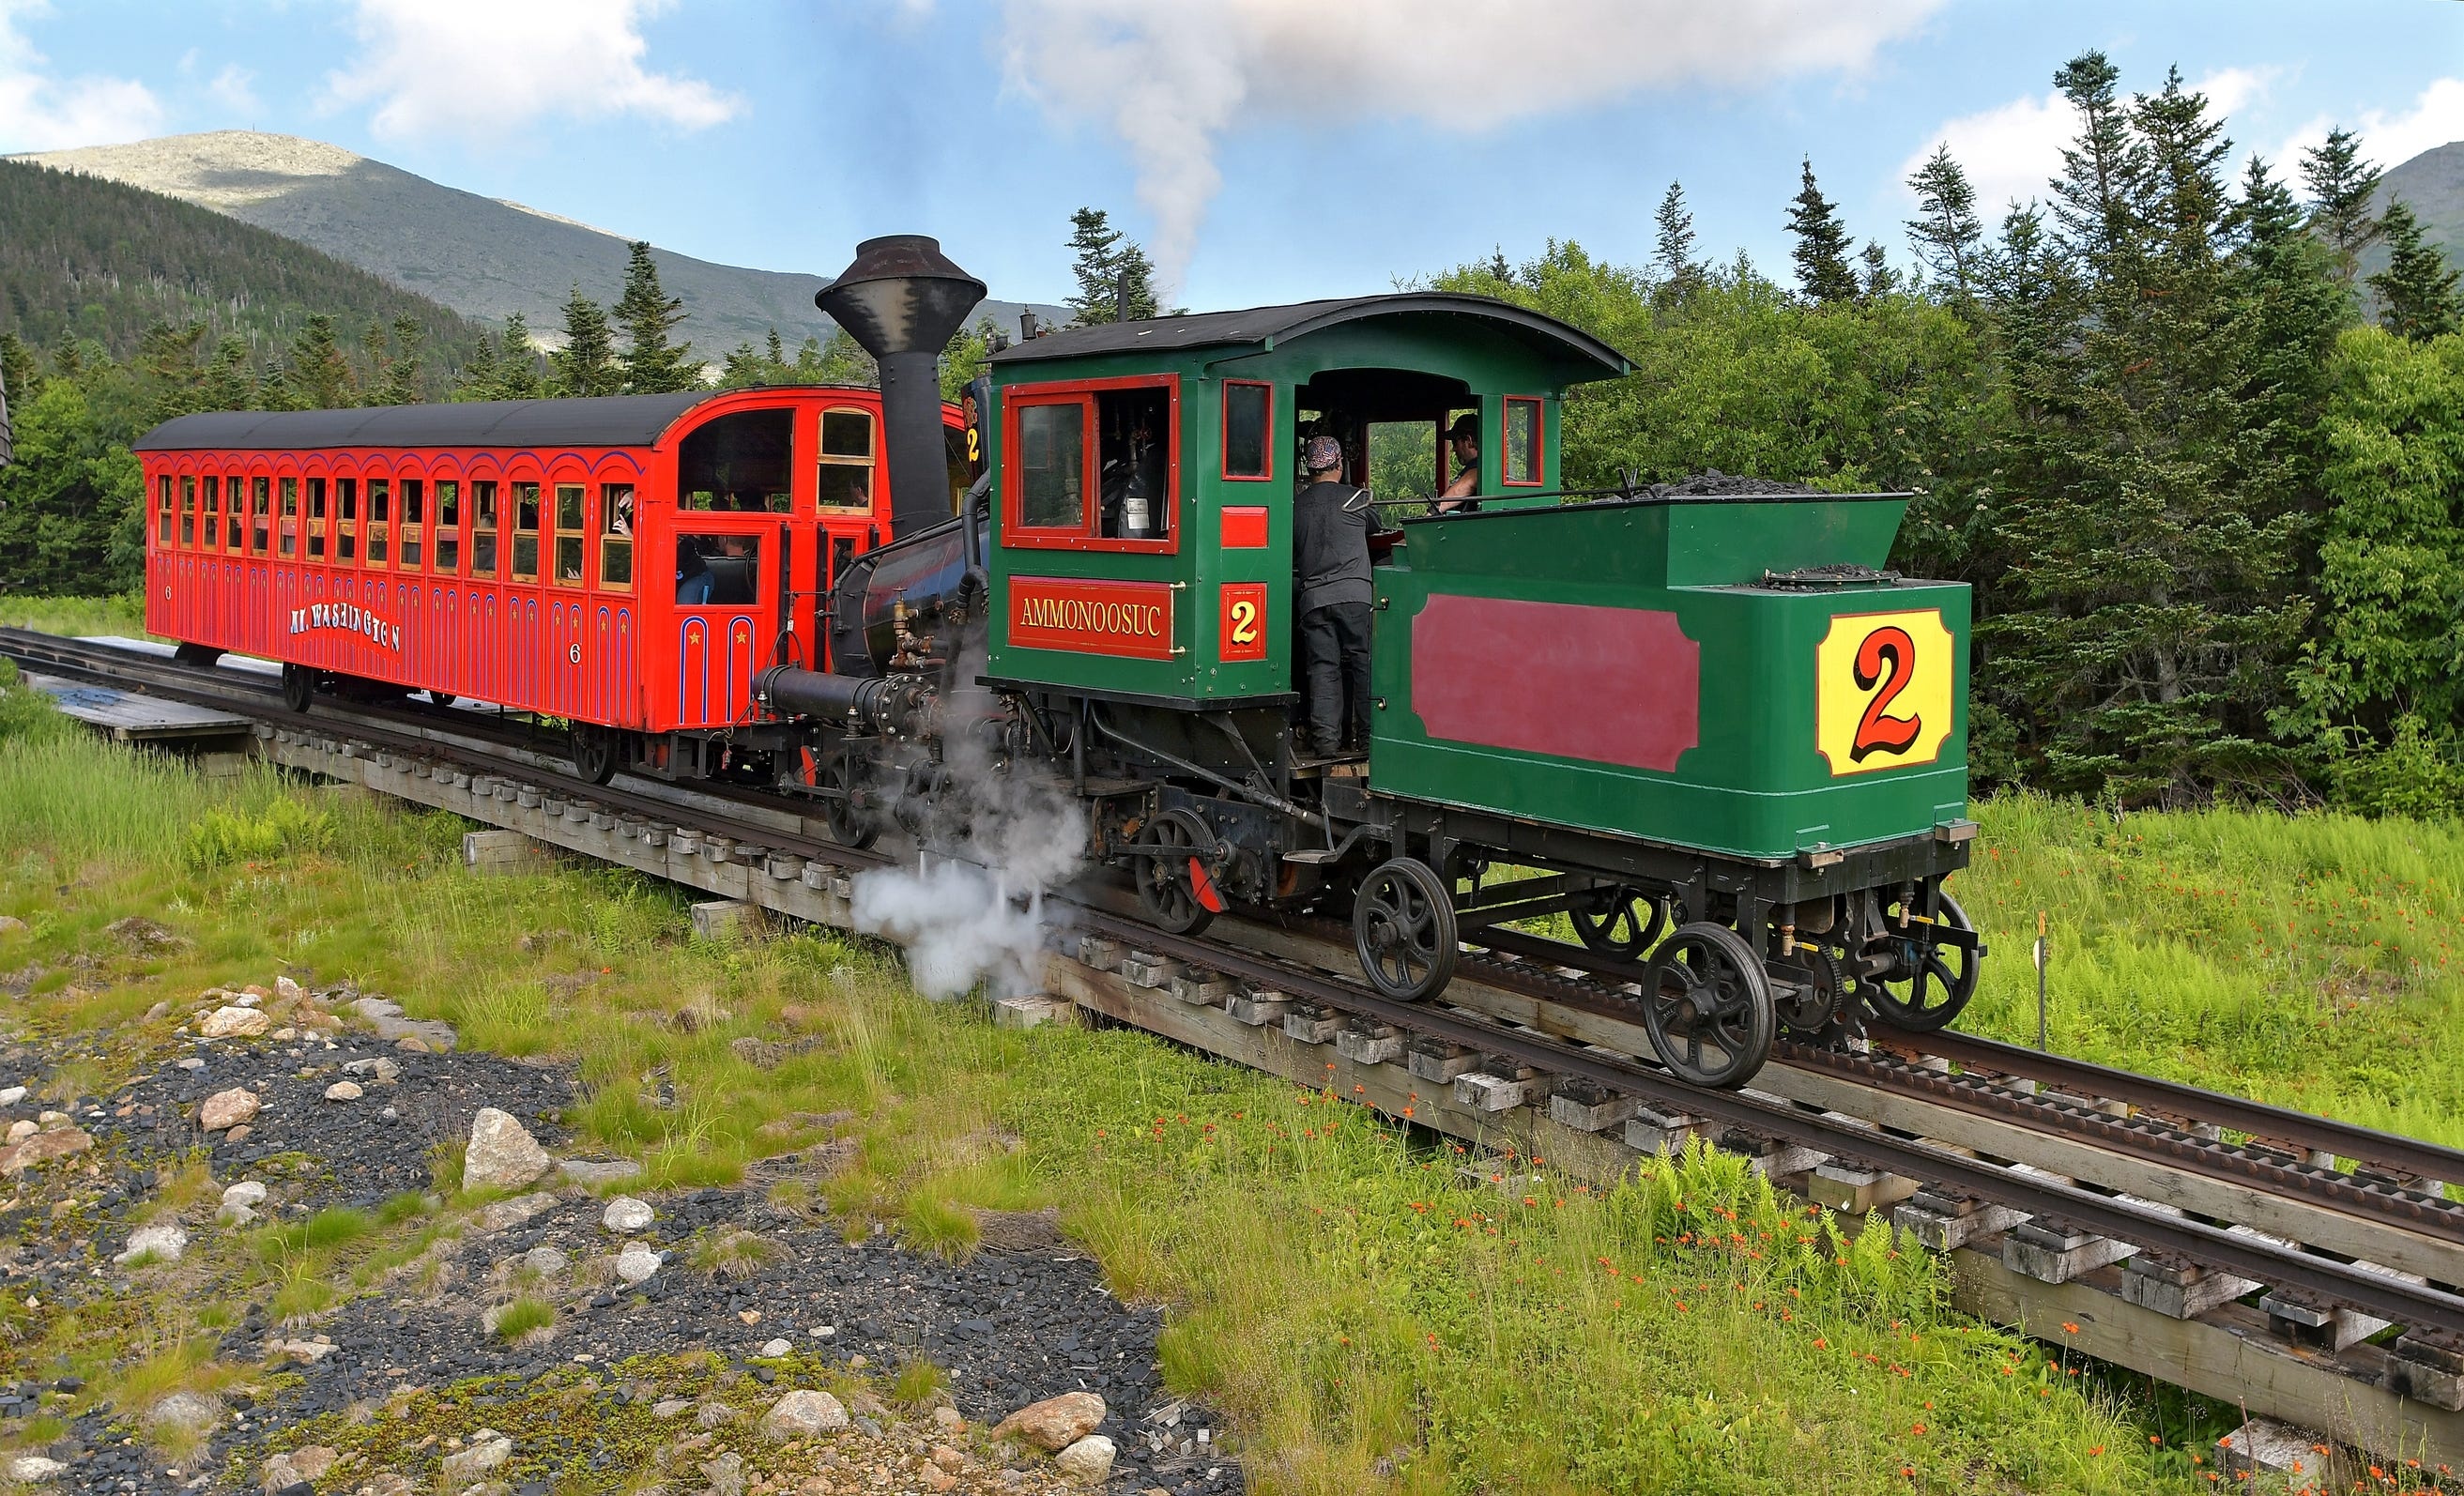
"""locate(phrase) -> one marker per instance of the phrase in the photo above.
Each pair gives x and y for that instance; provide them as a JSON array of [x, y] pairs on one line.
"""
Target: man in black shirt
[[1331, 526]]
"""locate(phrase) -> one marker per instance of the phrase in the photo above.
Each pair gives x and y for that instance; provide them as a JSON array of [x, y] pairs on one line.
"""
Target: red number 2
[[1888, 658]]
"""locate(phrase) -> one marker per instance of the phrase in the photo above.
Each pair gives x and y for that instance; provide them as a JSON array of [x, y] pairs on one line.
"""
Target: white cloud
[[2010, 152], [234, 88], [2435, 118], [39, 112], [481, 68], [1171, 78]]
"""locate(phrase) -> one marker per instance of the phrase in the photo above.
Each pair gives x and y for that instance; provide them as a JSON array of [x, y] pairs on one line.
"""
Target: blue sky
[[1267, 149]]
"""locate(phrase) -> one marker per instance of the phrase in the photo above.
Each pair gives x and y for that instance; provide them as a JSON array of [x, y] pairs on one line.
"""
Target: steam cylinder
[[901, 300]]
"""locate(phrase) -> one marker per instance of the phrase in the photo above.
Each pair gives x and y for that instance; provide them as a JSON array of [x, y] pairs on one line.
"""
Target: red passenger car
[[627, 564]]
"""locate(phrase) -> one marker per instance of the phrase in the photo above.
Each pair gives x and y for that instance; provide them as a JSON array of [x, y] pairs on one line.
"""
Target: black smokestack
[[900, 302]]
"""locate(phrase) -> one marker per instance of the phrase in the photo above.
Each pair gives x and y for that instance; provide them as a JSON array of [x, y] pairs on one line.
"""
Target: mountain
[[97, 259], [482, 256], [2432, 182]]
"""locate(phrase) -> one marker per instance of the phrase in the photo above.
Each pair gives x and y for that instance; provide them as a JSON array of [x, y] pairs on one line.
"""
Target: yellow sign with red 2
[[1883, 684]]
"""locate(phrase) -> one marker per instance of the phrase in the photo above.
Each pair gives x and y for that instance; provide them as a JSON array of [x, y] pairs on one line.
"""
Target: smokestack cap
[[901, 296]]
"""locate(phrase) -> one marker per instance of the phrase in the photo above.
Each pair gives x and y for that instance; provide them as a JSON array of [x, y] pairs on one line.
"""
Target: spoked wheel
[[298, 687], [1707, 1007], [1174, 878], [1808, 991], [850, 824], [597, 752], [1620, 921], [1928, 984], [1403, 929]]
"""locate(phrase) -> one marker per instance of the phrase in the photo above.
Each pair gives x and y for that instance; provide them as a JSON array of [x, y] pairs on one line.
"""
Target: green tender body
[[1755, 784]]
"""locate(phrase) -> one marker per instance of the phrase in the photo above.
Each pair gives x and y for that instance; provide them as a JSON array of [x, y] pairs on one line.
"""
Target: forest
[[2206, 479]]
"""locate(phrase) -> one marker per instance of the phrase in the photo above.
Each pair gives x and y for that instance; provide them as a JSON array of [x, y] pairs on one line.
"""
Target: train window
[[526, 525], [740, 463], [1053, 466], [484, 523], [414, 519], [568, 535], [1523, 441], [260, 512], [1248, 419], [346, 519], [380, 524], [847, 461], [290, 543], [616, 536], [187, 511], [449, 527], [235, 516], [719, 569], [169, 506], [315, 519], [211, 508]]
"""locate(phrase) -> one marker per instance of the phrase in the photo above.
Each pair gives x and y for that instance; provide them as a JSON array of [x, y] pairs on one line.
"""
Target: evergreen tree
[[775, 352], [587, 364], [1500, 268], [2101, 167], [2341, 186], [1945, 233], [744, 369], [318, 375], [1672, 243], [230, 380], [480, 373], [2416, 292], [648, 315], [1879, 279], [19, 372], [401, 383], [517, 362], [1110, 266], [166, 369], [1821, 251]]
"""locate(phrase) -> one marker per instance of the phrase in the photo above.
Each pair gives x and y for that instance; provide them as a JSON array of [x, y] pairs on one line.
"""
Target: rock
[[487, 1450], [158, 1012], [804, 1413], [42, 1148], [591, 1173], [1087, 1461], [33, 1469], [343, 1091], [379, 1069], [1055, 1423], [190, 1063], [545, 1261], [711, 1413], [10, 924], [671, 1408], [254, 997], [625, 1215], [247, 1192], [192, 1414], [305, 1466], [504, 1215], [949, 1420], [761, 1054], [234, 1022], [288, 991], [725, 1474], [228, 1108], [636, 1264], [388, 1483], [947, 1458], [165, 1242], [310, 1351], [22, 1129], [387, 1019], [775, 1348], [502, 1155], [234, 1215], [239, 1133], [144, 934], [12, 1096]]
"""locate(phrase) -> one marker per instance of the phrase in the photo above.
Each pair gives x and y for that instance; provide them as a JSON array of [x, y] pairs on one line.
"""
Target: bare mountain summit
[[482, 256], [2432, 182]]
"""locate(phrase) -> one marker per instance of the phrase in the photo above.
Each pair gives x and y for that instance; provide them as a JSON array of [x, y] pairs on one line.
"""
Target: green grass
[[523, 1316], [124, 614]]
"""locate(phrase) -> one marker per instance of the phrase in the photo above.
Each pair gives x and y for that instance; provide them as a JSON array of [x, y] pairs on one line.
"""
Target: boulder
[[1055, 1423], [234, 1022], [949, 1420], [10, 924], [247, 1192], [228, 1108], [385, 1017], [545, 1261], [772, 1349], [35, 1469], [165, 1242], [487, 1450], [625, 1215], [502, 1155], [504, 1215], [11, 1095], [636, 1264], [378, 1069], [1087, 1461], [591, 1173], [343, 1091], [23, 1129], [42, 1148], [288, 990], [192, 1414], [725, 1474], [309, 1462], [804, 1413]]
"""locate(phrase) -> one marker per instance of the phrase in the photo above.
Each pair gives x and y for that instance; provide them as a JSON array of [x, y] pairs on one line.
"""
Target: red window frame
[[1082, 392], [1223, 433], [1539, 477]]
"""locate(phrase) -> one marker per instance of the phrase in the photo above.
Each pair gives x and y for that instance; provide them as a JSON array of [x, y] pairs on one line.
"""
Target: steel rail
[[2416, 1306]]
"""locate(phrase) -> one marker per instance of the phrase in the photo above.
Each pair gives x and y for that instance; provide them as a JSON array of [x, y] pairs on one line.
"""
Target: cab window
[[1097, 466], [1523, 427], [1248, 419]]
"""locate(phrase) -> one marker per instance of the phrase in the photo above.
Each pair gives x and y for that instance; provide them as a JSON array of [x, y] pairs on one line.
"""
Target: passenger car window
[[845, 478], [169, 505], [408, 548], [526, 523], [616, 536], [714, 570], [290, 516], [380, 519], [568, 535], [484, 523], [449, 527]]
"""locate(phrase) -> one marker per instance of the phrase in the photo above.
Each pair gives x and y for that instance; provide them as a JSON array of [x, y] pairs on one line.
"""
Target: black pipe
[[901, 300], [901, 705]]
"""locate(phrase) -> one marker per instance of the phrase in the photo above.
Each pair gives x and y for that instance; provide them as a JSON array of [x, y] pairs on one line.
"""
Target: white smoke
[[1171, 78], [979, 916]]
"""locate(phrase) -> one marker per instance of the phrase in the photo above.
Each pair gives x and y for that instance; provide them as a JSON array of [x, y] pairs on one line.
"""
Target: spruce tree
[[2341, 186], [1946, 233], [2416, 292], [587, 364], [1879, 279], [517, 362], [318, 375], [166, 368], [1821, 251], [2100, 166], [401, 384], [481, 371], [1109, 267], [1672, 243], [230, 380], [647, 313]]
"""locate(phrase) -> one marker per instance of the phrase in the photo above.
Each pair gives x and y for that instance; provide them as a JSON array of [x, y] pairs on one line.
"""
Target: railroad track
[[2374, 1240]]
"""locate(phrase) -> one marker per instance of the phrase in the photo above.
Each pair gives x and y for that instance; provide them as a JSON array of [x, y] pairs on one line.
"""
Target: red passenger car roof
[[608, 421]]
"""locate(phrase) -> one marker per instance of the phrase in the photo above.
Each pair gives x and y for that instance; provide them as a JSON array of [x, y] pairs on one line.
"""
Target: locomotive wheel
[[1173, 876], [1403, 929], [1929, 984], [1707, 1007], [850, 825], [597, 752], [1620, 921], [298, 687], [1811, 1007]]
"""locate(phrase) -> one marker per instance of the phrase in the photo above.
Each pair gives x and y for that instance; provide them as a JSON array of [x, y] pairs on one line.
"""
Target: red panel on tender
[[1613, 684], [1245, 527]]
